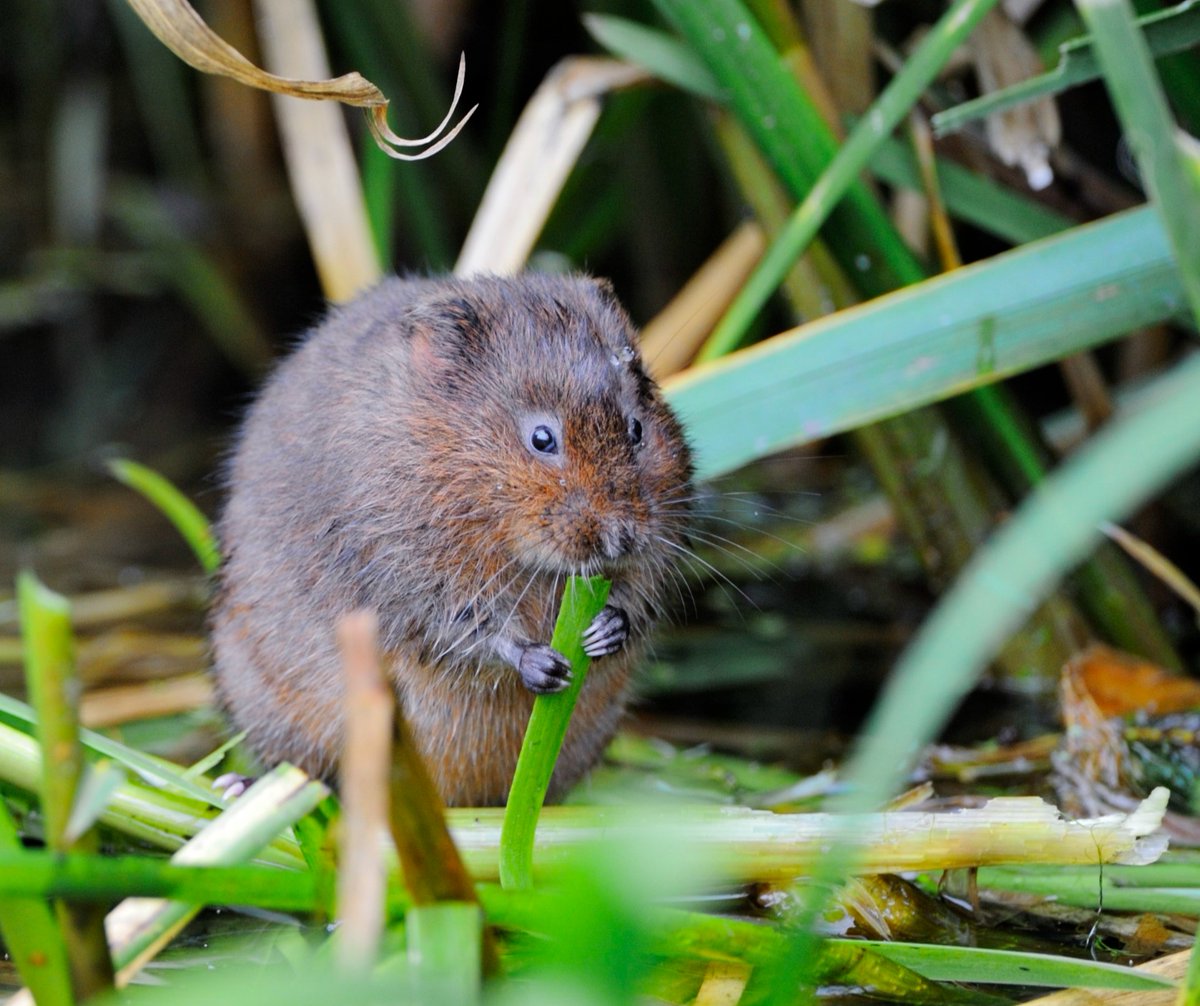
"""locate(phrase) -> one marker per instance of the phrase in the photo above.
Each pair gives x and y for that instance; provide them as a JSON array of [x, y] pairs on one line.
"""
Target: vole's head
[[545, 420]]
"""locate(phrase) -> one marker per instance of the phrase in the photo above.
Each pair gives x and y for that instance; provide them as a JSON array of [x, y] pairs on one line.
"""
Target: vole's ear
[[447, 336], [607, 294], [608, 297]]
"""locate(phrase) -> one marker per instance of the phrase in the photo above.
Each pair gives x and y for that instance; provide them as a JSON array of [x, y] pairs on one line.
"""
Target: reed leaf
[[1151, 132], [963, 330], [970, 197], [1009, 967], [157, 771], [655, 51], [789, 130]]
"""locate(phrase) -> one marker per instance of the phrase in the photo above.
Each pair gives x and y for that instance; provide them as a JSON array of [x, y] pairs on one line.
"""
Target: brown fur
[[386, 465]]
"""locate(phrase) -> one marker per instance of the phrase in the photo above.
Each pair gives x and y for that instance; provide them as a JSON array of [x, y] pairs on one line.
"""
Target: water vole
[[446, 452]]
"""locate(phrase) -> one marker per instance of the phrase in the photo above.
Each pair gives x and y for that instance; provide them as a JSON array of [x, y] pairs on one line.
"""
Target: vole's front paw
[[232, 784], [607, 633], [543, 669]]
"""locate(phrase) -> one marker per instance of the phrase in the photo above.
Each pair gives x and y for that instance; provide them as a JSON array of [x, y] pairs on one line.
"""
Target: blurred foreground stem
[[54, 688]]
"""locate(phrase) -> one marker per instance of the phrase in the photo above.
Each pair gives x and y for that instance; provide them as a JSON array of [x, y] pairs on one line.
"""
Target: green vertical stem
[[582, 601], [31, 934], [54, 688]]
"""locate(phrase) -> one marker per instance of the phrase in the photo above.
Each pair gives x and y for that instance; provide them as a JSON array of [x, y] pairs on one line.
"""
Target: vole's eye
[[542, 440], [635, 431]]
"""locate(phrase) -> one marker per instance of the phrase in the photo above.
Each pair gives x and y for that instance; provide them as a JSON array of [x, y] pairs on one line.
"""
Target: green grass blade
[[789, 130], [1009, 967], [31, 934], [54, 688], [892, 105], [1142, 108], [157, 816], [100, 781], [155, 770], [107, 879], [968, 196], [582, 600], [962, 330], [654, 51], [1089, 890], [177, 508], [50, 678], [1168, 31]]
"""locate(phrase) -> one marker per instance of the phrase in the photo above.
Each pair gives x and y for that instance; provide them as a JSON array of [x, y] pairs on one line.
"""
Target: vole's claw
[[232, 784], [607, 633], [543, 669]]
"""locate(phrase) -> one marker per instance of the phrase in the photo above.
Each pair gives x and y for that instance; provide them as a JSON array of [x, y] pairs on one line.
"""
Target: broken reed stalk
[[432, 867], [762, 846], [362, 868]]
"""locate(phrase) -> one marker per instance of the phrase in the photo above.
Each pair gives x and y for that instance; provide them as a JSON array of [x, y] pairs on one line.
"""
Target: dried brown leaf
[[177, 25], [1025, 135]]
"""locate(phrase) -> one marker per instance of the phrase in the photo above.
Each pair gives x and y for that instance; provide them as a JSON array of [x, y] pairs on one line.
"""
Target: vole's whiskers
[[694, 557], [474, 625], [503, 630]]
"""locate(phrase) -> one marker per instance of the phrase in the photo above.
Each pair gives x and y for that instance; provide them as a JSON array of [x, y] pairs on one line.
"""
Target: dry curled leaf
[[177, 25], [1025, 135]]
